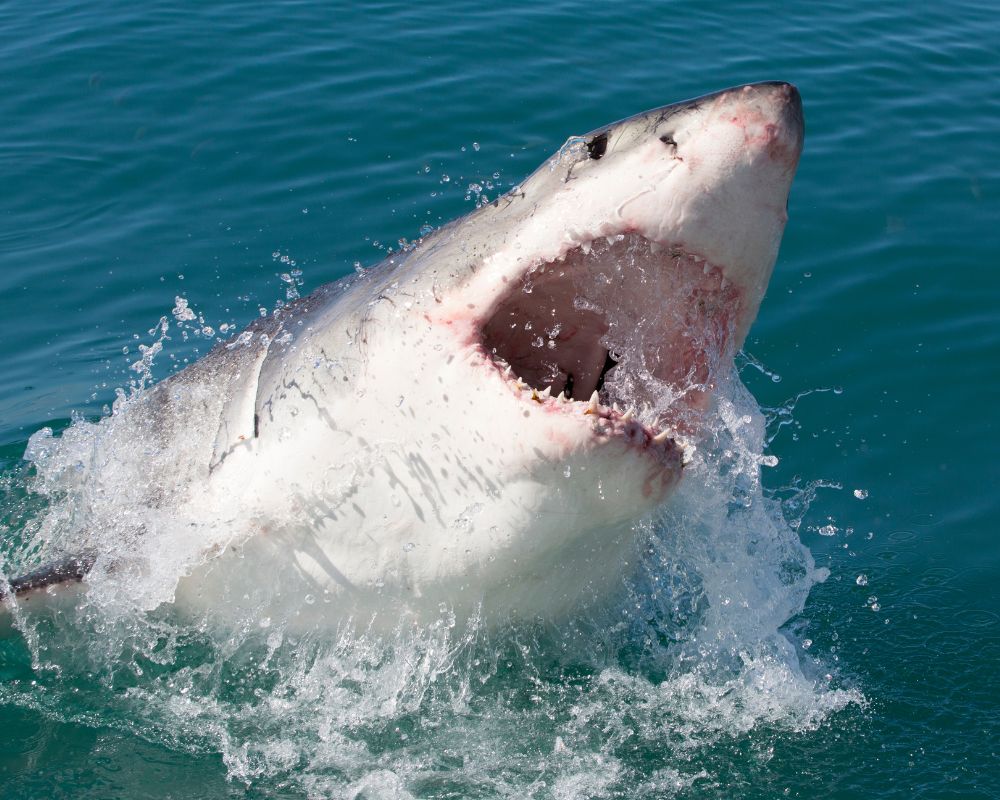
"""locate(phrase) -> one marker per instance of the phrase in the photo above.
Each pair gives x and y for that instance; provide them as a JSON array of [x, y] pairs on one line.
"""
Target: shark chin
[[473, 426]]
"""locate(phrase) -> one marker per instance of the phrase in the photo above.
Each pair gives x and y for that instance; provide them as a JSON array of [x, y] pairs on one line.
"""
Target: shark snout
[[790, 104], [770, 115]]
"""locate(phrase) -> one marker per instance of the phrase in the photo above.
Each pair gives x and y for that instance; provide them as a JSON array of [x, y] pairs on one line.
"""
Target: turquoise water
[[151, 152]]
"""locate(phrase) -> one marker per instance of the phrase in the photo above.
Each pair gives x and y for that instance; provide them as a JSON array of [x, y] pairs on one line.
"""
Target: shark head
[[500, 404], [640, 253]]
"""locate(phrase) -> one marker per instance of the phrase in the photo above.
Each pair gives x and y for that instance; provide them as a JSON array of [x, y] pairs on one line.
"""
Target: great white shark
[[475, 424]]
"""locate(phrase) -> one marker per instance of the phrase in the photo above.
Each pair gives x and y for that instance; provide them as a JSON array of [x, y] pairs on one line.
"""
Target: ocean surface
[[233, 155]]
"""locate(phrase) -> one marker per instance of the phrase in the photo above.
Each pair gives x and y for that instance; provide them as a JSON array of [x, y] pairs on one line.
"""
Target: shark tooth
[[687, 450], [594, 405]]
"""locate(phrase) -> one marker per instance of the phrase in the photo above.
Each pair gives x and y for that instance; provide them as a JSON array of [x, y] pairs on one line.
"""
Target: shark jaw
[[628, 332]]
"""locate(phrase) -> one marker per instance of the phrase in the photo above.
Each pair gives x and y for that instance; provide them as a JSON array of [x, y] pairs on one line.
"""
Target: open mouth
[[628, 331]]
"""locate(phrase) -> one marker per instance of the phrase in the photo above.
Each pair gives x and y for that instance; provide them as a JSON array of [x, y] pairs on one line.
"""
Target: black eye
[[668, 140], [598, 146]]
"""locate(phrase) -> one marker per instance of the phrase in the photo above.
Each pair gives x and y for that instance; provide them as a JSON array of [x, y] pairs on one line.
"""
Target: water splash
[[629, 698]]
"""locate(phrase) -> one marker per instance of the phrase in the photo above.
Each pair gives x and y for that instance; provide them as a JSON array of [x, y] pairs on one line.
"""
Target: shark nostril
[[668, 140], [598, 146]]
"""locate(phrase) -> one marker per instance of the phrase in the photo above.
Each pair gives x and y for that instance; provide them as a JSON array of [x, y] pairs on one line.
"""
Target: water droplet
[[181, 311], [862, 580], [861, 494]]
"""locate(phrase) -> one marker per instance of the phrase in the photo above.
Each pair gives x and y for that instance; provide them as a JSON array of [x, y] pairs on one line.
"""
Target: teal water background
[[152, 150]]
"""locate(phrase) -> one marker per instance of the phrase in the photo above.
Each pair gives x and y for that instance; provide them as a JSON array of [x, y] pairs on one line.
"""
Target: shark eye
[[598, 146], [668, 140]]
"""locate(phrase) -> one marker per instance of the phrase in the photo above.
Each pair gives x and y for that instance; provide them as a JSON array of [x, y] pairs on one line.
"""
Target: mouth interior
[[642, 323]]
